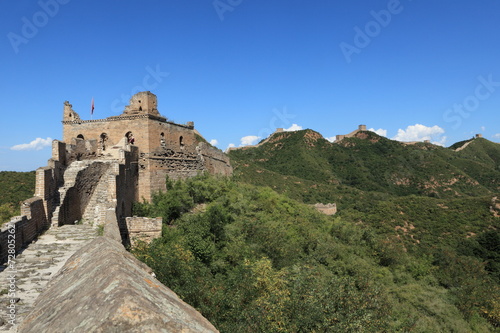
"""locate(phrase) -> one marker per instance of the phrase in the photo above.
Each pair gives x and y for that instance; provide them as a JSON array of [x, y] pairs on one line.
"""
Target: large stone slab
[[103, 288]]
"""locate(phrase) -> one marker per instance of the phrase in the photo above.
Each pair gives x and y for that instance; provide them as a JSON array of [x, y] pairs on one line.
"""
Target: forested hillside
[[307, 167], [252, 260], [14, 188], [414, 247]]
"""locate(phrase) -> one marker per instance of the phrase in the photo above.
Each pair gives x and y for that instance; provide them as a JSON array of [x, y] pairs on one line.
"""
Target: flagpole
[[92, 108]]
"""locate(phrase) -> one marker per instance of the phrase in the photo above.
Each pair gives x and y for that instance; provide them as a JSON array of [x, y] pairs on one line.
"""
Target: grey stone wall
[[78, 195], [143, 228], [25, 228]]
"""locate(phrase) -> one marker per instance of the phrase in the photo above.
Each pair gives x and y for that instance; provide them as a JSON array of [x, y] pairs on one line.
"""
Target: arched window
[[162, 139], [130, 138], [80, 136], [181, 141], [103, 141]]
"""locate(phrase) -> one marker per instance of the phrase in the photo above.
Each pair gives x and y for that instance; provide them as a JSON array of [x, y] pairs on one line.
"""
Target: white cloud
[[441, 142], [420, 132], [380, 131], [231, 145], [214, 142], [37, 144], [483, 128], [292, 128], [496, 136], [332, 138], [249, 140]]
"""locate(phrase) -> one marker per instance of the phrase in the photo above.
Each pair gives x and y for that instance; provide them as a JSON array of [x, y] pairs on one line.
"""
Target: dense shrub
[[252, 260], [14, 188]]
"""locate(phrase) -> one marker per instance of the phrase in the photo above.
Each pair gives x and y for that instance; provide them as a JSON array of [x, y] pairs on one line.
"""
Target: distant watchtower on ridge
[[353, 133]]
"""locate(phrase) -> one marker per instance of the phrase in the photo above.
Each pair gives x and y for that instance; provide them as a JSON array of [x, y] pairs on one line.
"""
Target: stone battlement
[[127, 117]]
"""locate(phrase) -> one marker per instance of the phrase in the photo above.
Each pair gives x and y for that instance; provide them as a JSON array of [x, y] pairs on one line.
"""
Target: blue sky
[[412, 70]]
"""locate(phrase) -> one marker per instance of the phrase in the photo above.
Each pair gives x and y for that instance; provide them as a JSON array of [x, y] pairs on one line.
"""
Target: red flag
[[92, 107]]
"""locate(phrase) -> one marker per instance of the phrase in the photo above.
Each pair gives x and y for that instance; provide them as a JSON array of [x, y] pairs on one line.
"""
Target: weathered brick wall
[[143, 228], [44, 188], [176, 137], [78, 196], [165, 148], [156, 165], [144, 101], [80, 149], [59, 151], [27, 227], [215, 161], [51, 177], [114, 129], [150, 132], [124, 186], [161, 148]]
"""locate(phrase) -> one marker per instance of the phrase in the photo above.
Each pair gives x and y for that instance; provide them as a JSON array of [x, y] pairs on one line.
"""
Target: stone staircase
[[35, 266]]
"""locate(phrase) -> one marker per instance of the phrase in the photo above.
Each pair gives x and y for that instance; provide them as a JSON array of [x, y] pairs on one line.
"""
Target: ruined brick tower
[[102, 166], [164, 148]]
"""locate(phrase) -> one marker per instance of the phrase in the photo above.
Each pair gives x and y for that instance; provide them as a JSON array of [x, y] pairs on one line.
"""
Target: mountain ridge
[[369, 162]]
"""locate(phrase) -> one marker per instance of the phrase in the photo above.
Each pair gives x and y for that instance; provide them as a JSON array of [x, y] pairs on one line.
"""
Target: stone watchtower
[[164, 147], [102, 166]]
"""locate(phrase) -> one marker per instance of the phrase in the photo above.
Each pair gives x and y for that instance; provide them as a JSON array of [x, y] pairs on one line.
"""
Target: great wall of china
[[64, 277], [61, 276]]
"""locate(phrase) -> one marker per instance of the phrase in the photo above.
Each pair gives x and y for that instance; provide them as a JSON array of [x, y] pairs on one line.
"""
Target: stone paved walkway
[[36, 265]]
